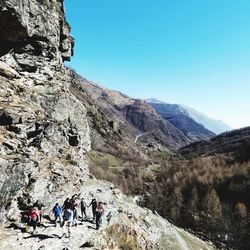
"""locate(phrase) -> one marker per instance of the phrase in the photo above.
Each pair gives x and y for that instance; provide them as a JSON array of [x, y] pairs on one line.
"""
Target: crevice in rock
[[5, 119], [11, 31], [8, 145], [14, 129], [73, 140], [33, 134]]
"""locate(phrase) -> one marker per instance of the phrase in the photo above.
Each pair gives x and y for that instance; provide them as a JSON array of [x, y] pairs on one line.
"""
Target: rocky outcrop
[[7, 71], [44, 132], [34, 35], [44, 137]]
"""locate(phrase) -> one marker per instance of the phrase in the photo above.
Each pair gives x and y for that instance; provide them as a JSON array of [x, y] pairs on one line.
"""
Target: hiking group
[[68, 214]]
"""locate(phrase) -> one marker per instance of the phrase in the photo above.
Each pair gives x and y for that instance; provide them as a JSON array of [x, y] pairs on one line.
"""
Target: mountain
[[181, 120], [216, 126], [129, 117], [169, 110], [236, 142], [49, 119]]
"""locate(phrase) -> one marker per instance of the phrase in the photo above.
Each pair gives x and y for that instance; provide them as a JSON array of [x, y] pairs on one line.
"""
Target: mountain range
[[184, 112]]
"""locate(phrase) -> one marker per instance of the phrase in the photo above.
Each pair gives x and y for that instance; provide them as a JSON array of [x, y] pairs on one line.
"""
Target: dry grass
[[127, 175], [122, 237]]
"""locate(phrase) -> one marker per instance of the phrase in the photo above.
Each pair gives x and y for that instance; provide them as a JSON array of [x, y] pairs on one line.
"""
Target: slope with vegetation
[[203, 186]]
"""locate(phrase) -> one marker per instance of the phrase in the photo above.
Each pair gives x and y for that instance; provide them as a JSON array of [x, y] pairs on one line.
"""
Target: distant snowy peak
[[211, 124]]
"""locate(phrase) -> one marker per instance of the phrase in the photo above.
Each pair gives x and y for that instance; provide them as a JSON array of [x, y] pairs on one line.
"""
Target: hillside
[[180, 119], [189, 120], [207, 188], [236, 142], [213, 125], [129, 117]]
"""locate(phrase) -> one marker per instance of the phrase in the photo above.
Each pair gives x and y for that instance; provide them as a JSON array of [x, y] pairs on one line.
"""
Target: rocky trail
[[125, 226]]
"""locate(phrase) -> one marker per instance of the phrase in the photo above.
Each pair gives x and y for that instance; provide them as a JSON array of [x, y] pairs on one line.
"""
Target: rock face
[[44, 136], [34, 34], [44, 132]]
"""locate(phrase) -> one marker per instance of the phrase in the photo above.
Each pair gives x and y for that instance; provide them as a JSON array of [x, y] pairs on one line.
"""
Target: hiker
[[83, 208], [57, 211], [68, 219], [99, 214], [66, 204], [34, 218], [38, 204], [94, 206], [75, 206]]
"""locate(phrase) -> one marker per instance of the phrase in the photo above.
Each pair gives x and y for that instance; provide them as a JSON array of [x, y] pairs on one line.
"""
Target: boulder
[[7, 71]]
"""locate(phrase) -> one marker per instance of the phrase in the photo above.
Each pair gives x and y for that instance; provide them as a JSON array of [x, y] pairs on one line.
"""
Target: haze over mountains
[[184, 112]]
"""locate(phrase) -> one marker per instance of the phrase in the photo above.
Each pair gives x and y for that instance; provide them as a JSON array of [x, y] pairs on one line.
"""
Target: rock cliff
[[44, 129], [44, 137], [34, 35]]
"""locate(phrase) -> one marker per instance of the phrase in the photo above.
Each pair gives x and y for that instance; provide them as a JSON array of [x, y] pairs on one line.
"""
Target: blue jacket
[[57, 210]]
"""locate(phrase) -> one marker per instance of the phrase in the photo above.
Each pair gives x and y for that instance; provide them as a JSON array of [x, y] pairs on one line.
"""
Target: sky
[[195, 52]]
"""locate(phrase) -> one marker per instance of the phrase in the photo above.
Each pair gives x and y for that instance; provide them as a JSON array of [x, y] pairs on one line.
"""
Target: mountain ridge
[[216, 126], [181, 119]]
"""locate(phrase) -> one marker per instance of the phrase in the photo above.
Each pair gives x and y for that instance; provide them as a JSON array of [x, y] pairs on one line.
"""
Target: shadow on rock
[[16, 227], [87, 244], [88, 220], [89, 227], [43, 236]]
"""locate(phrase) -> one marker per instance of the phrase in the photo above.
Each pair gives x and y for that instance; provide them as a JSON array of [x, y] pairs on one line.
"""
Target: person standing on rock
[[66, 204], [57, 211], [38, 204], [75, 206], [94, 206], [83, 208], [34, 218], [68, 220], [99, 214]]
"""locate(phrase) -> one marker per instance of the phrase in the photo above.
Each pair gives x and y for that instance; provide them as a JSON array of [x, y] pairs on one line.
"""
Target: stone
[[34, 34], [7, 71]]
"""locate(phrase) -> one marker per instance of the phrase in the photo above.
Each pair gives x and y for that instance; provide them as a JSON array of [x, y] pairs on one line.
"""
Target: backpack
[[34, 215], [57, 211], [67, 215]]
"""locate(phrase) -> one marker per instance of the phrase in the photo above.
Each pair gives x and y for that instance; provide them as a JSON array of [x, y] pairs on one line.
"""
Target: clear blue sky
[[191, 52]]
